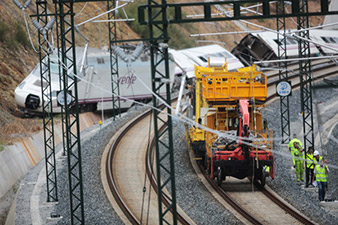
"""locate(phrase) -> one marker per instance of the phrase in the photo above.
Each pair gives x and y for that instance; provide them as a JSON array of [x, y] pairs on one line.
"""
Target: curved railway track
[[256, 204], [127, 181], [126, 176]]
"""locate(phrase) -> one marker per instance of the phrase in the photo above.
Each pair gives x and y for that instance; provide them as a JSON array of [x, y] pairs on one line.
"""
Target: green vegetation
[[2, 145], [178, 34], [20, 35], [12, 38], [3, 31]]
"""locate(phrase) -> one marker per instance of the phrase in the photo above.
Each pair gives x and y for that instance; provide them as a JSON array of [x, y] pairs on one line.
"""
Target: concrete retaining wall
[[16, 160]]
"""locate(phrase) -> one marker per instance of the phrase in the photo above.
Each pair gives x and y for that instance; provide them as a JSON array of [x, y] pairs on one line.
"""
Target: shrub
[[20, 35], [3, 31]]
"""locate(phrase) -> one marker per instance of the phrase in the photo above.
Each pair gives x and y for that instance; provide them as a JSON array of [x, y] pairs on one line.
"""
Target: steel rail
[[109, 170], [153, 179], [132, 218], [284, 206], [268, 194], [316, 78], [252, 219]]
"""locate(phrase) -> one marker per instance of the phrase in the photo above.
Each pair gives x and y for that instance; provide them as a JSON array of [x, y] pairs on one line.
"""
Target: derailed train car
[[94, 81], [264, 45], [228, 136]]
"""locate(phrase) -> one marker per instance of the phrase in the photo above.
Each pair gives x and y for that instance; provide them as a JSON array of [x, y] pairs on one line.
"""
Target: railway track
[[321, 69], [126, 175], [256, 204], [130, 187]]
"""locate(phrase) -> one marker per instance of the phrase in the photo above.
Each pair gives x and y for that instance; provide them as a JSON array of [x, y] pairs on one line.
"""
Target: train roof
[[187, 58]]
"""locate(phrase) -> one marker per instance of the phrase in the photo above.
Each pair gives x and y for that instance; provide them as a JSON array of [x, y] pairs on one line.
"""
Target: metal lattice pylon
[[70, 94], [164, 146], [46, 100], [305, 75], [283, 76], [58, 42], [111, 4]]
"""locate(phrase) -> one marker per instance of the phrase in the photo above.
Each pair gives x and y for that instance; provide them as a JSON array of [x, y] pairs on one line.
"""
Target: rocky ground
[[285, 181], [192, 196]]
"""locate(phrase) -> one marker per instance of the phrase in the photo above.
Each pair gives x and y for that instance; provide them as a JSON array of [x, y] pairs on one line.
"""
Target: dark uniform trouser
[[308, 173], [322, 187]]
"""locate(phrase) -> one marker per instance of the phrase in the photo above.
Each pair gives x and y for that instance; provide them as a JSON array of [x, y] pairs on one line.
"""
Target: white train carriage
[[264, 46], [326, 37], [94, 85], [270, 39]]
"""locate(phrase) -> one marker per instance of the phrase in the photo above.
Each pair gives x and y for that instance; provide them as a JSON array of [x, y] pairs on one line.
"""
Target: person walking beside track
[[292, 149], [309, 167], [321, 173]]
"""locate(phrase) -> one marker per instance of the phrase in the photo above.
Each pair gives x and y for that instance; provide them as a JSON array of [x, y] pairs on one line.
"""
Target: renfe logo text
[[128, 80]]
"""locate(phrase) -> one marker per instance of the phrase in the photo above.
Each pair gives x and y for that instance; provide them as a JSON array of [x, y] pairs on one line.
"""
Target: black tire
[[219, 176], [263, 177]]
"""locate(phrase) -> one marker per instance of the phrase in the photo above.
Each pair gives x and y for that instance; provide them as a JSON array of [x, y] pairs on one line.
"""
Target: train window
[[100, 60], [277, 42], [325, 39], [291, 41], [332, 40], [203, 58]]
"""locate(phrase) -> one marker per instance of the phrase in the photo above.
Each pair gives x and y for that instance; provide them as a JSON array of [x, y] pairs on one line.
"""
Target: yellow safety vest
[[321, 175], [309, 161], [291, 144], [315, 160]]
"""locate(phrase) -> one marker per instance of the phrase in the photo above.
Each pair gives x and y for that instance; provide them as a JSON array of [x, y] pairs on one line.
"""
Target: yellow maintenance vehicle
[[228, 136]]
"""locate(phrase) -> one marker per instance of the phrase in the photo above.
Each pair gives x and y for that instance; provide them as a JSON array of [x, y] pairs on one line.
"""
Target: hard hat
[[316, 153]]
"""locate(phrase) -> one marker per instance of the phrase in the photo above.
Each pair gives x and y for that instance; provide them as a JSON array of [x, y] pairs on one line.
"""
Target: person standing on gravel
[[299, 163], [309, 167], [292, 149], [316, 158], [321, 173]]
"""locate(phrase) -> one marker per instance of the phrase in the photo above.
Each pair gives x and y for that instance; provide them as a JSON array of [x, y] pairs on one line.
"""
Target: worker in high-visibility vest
[[309, 166], [293, 149], [299, 163], [321, 174], [316, 158]]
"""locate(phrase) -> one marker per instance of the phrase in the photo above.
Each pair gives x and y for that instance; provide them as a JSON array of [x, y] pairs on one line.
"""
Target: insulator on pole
[[119, 52], [117, 5], [27, 3], [138, 51], [18, 4], [50, 24], [37, 25]]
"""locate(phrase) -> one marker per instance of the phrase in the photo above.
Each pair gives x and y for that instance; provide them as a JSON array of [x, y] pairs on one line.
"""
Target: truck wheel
[[219, 176], [263, 177]]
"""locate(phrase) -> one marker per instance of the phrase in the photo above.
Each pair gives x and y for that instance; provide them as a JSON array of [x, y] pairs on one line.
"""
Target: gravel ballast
[[192, 196], [285, 184]]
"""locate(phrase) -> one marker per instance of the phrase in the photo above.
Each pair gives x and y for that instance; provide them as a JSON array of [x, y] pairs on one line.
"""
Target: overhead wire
[[180, 116], [29, 34]]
